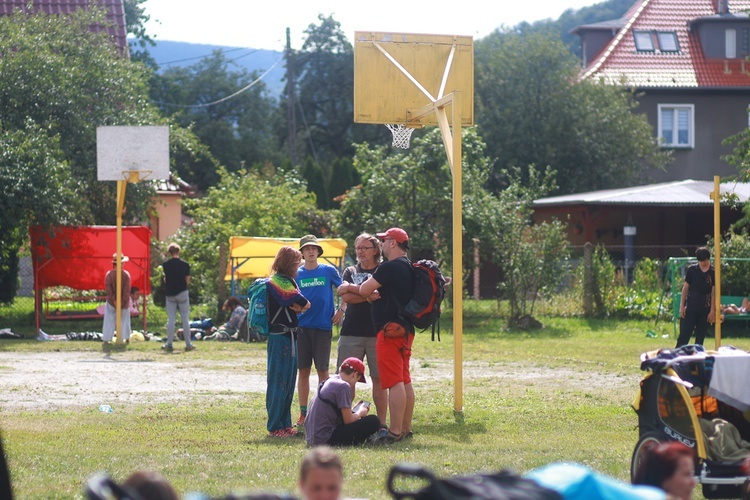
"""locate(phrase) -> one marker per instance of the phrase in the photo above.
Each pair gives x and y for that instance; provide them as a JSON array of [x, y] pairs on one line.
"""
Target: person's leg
[[687, 324], [408, 387], [126, 327], [701, 326], [108, 325], [303, 389], [304, 362], [397, 406], [409, 408], [355, 433], [171, 316], [321, 343], [379, 395], [281, 375], [183, 303]]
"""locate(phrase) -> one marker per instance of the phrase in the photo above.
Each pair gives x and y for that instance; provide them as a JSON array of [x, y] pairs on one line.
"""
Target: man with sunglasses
[[390, 288]]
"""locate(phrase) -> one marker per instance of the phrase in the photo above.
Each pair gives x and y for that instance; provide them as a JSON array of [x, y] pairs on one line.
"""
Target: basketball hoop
[[401, 135]]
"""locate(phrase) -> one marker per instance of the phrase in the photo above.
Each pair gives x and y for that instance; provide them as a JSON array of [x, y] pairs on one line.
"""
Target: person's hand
[[712, 316], [296, 308], [337, 316], [682, 311], [343, 288], [373, 296], [448, 281]]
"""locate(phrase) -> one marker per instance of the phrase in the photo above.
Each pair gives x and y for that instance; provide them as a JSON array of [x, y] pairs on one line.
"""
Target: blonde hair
[[321, 457]]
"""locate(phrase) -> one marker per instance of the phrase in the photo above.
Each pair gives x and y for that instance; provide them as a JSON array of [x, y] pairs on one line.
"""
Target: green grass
[[529, 399]]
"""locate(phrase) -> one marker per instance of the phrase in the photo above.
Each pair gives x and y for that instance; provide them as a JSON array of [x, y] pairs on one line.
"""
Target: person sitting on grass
[[230, 328], [331, 419]]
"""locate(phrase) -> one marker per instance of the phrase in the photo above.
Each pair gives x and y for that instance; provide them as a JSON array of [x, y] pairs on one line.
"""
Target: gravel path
[[54, 380]]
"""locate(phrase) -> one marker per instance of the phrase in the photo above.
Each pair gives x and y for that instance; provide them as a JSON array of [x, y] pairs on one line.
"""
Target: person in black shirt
[[176, 281], [697, 308]]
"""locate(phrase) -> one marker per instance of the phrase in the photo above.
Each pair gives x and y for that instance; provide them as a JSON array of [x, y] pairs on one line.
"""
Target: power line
[[223, 99], [203, 56]]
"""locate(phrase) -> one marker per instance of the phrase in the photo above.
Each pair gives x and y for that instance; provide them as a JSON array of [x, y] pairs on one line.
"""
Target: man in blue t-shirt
[[316, 282]]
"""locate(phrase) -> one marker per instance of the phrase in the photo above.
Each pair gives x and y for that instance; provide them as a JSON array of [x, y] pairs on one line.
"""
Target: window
[[676, 125], [643, 41], [668, 41], [730, 43]]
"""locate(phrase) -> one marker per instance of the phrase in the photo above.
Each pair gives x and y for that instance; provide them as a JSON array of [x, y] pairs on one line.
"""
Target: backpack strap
[[330, 403]]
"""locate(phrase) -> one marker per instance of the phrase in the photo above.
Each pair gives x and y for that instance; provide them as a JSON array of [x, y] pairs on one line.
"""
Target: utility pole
[[291, 100]]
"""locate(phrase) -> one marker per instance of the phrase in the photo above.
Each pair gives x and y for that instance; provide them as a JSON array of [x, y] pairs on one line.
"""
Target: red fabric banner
[[79, 257]]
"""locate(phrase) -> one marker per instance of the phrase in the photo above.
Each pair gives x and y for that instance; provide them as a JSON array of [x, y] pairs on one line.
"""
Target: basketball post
[[393, 74], [716, 197], [129, 154]]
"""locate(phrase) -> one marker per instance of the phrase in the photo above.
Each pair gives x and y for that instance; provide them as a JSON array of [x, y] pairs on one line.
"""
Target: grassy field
[[529, 399]]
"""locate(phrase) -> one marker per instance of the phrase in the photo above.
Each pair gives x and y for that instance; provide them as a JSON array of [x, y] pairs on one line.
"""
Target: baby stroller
[[684, 393]]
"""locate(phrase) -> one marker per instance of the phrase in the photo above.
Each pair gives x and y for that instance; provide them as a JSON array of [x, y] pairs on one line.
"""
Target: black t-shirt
[[699, 291], [176, 272], [358, 319], [396, 278]]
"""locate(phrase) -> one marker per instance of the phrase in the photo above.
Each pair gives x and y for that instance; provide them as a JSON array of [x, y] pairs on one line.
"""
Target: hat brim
[[320, 248], [362, 378], [124, 259]]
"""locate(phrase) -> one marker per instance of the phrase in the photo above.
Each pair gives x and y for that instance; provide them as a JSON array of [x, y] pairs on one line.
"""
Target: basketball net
[[401, 135]]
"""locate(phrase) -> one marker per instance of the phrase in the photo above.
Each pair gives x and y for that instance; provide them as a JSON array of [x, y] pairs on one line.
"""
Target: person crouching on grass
[[331, 419]]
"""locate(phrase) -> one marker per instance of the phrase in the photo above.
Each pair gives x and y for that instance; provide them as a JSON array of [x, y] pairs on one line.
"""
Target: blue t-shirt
[[317, 286]]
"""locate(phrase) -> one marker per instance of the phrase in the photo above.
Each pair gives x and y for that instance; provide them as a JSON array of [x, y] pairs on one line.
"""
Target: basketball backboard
[[396, 74], [120, 150]]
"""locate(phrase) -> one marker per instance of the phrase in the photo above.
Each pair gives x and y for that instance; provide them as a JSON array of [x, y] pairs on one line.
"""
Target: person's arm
[[364, 290], [350, 417], [683, 298]]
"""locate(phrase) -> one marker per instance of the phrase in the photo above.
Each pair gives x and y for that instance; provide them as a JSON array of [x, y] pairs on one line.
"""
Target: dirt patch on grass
[[62, 379]]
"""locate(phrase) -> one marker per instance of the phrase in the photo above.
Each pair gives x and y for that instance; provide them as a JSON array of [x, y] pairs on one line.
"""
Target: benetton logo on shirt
[[309, 282]]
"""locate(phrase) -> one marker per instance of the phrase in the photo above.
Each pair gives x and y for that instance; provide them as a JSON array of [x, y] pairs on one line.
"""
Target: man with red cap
[[331, 419], [389, 289]]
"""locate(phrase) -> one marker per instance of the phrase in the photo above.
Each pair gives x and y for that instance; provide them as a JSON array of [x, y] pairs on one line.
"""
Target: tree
[[323, 82], [229, 111], [533, 110], [59, 81], [135, 20], [531, 257], [412, 189]]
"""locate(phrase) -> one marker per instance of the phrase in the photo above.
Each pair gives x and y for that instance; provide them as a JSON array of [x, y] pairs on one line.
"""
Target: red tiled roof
[[115, 14], [620, 62]]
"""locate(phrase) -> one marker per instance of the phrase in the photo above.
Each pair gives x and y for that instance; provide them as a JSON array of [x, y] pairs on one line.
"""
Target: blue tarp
[[578, 482]]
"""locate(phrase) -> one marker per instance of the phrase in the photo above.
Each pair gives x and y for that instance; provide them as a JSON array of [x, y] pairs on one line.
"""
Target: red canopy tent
[[79, 257]]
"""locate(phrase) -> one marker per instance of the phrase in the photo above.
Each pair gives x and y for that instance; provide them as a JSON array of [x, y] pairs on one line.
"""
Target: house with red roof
[[116, 28], [686, 59]]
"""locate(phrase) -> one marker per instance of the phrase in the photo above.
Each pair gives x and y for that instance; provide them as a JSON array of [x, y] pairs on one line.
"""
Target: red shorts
[[393, 359]]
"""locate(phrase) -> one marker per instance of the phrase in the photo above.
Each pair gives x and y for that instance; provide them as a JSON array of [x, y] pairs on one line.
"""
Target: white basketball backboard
[[122, 150]]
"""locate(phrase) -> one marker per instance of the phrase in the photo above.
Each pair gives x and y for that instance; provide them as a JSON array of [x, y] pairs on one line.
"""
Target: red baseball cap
[[356, 365], [396, 233]]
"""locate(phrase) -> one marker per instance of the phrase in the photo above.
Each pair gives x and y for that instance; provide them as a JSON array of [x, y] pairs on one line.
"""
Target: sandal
[[390, 438]]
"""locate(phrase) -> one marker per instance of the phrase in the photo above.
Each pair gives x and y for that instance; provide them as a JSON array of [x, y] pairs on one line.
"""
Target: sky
[[262, 24]]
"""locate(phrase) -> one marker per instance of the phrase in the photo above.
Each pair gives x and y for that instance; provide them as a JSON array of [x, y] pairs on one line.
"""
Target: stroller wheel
[[646, 441], [746, 490]]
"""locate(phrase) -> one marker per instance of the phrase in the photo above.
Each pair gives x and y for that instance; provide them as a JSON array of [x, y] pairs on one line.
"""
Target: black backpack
[[423, 310], [503, 485]]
